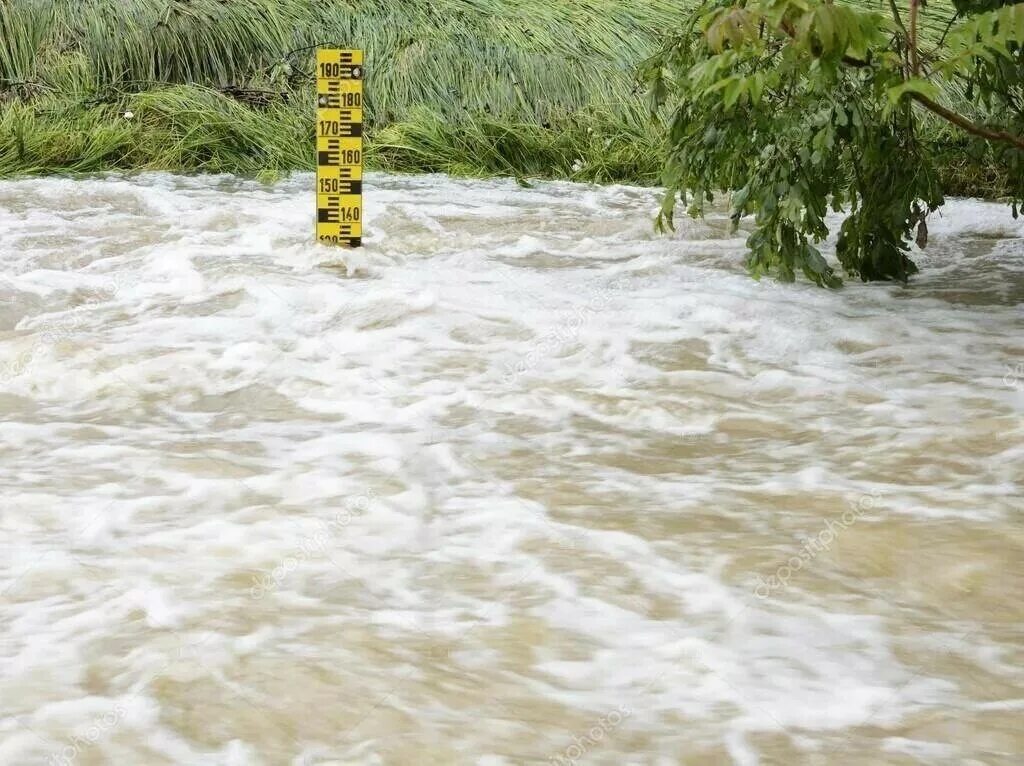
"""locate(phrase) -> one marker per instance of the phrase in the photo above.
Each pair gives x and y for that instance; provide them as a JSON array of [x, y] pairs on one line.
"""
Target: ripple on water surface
[[518, 482]]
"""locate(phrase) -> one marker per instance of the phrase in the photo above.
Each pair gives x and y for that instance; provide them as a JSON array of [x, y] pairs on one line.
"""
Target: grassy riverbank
[[532, 87], [536, 88]]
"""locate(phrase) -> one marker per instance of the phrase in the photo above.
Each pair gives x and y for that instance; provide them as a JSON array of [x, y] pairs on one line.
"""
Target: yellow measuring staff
[[339, 147]]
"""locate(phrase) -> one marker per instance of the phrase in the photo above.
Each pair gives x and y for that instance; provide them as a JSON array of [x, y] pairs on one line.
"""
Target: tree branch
[[789, 32], [947, 114], [962, 122], [898, 19]]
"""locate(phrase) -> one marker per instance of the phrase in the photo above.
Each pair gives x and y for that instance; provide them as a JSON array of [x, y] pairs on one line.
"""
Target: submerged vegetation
[[800, 107], [525, 88]]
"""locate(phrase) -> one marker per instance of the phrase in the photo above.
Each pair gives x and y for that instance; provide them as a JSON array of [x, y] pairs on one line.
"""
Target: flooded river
[[519, 482]]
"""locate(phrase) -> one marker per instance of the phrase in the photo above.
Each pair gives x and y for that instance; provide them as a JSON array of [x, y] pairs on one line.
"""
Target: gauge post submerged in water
[[339, 147]]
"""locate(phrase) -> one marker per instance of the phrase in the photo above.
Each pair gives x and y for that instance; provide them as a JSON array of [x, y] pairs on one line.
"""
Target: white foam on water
[[457, 495]]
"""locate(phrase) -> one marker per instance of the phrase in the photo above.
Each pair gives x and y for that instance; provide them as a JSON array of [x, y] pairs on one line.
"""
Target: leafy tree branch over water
[[802, 106]]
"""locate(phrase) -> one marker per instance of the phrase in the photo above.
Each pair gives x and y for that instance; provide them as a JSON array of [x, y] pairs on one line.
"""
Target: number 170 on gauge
[[339, 147]]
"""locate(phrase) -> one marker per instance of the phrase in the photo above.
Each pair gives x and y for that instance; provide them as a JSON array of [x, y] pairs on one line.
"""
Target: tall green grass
[[519, 87]]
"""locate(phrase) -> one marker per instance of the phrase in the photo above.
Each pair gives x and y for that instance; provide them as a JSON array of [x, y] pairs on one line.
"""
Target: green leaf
[[912, 85], [733, 90]]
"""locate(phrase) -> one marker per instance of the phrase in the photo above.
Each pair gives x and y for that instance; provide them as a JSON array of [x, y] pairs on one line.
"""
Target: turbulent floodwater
[[520, 482]]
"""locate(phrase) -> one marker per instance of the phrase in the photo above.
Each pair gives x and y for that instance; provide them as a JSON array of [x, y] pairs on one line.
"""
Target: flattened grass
[[521, 87]]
